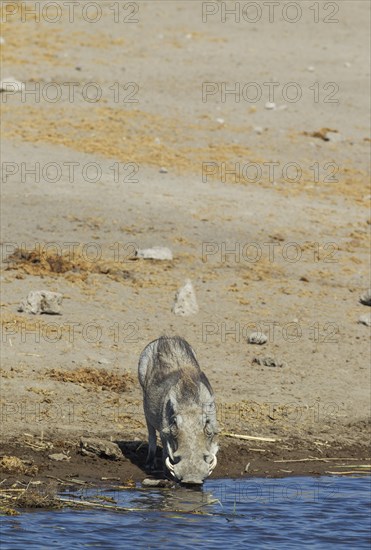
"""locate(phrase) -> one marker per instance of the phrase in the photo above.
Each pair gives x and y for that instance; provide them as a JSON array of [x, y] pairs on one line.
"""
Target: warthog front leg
[[151, 457]]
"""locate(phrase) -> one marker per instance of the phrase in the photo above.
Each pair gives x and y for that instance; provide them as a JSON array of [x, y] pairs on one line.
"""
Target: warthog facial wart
[[178, 403]]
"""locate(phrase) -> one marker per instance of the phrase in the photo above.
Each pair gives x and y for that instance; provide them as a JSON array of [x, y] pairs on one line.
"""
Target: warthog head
[[189, 439]]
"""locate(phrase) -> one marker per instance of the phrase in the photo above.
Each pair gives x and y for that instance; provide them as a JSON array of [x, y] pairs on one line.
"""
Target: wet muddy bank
[[289, 457]]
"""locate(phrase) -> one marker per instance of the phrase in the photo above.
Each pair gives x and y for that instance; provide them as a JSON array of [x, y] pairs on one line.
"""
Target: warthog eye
[[174, 428], [208, 430]]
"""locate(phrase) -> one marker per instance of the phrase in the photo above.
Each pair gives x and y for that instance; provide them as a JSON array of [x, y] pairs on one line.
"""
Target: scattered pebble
[[334, 137], [155, 253], [258, 129], [163, 170], [157, 483], [42, 301], [103, 361], [347, 64], [268, 361], [365, 298], [310, 68], [270, 106], [101, 447], [2, 41], [257, 338], [59, 457], [10, 84], [185, 300], [220, 120], [327, 134], [365, 320]]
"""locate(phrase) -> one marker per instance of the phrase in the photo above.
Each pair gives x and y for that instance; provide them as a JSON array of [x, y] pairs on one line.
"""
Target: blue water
[[304, 512]]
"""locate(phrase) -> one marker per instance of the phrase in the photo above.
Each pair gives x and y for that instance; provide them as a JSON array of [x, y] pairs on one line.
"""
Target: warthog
[[179, 403]]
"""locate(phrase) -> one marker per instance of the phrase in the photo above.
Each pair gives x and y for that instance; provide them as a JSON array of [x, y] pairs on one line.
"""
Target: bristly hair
[[175, 350], [174, 363], [178, 356]]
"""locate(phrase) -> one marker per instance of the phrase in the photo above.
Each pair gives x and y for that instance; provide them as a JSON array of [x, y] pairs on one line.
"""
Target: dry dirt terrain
[[241, 142]]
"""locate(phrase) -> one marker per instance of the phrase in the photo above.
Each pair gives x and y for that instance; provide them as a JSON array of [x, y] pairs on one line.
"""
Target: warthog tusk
[[170, 452], [213, 463], [169, 466]]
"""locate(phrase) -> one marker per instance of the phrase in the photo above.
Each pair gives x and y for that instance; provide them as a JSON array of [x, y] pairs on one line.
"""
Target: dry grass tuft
[[35, 499], [14, 465], [44, 262], [97, 378], [76, 268]]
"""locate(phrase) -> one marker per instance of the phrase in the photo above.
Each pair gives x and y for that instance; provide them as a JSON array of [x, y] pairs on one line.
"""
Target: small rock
[[334, 137], [100, 447], [59, 456], [10, 84], [327, 134], [310, 68], [2, 41], [365, 298], [270, 106], [365, 320], [163, 170], [257, 338], [220, 120], [258, 130], [103, 361], [155, 253], [42, 301], [157, 483], [347, 64], [268, 361], [185, 300]]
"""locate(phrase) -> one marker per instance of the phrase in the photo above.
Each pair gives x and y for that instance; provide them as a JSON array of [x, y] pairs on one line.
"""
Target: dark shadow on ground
[[136, 452]]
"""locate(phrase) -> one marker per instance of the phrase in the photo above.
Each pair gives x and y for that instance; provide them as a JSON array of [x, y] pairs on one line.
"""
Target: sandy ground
[[281, 246]]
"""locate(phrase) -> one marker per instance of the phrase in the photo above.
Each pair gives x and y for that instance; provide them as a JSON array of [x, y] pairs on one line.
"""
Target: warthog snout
[[179, 404], [182, 472]]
